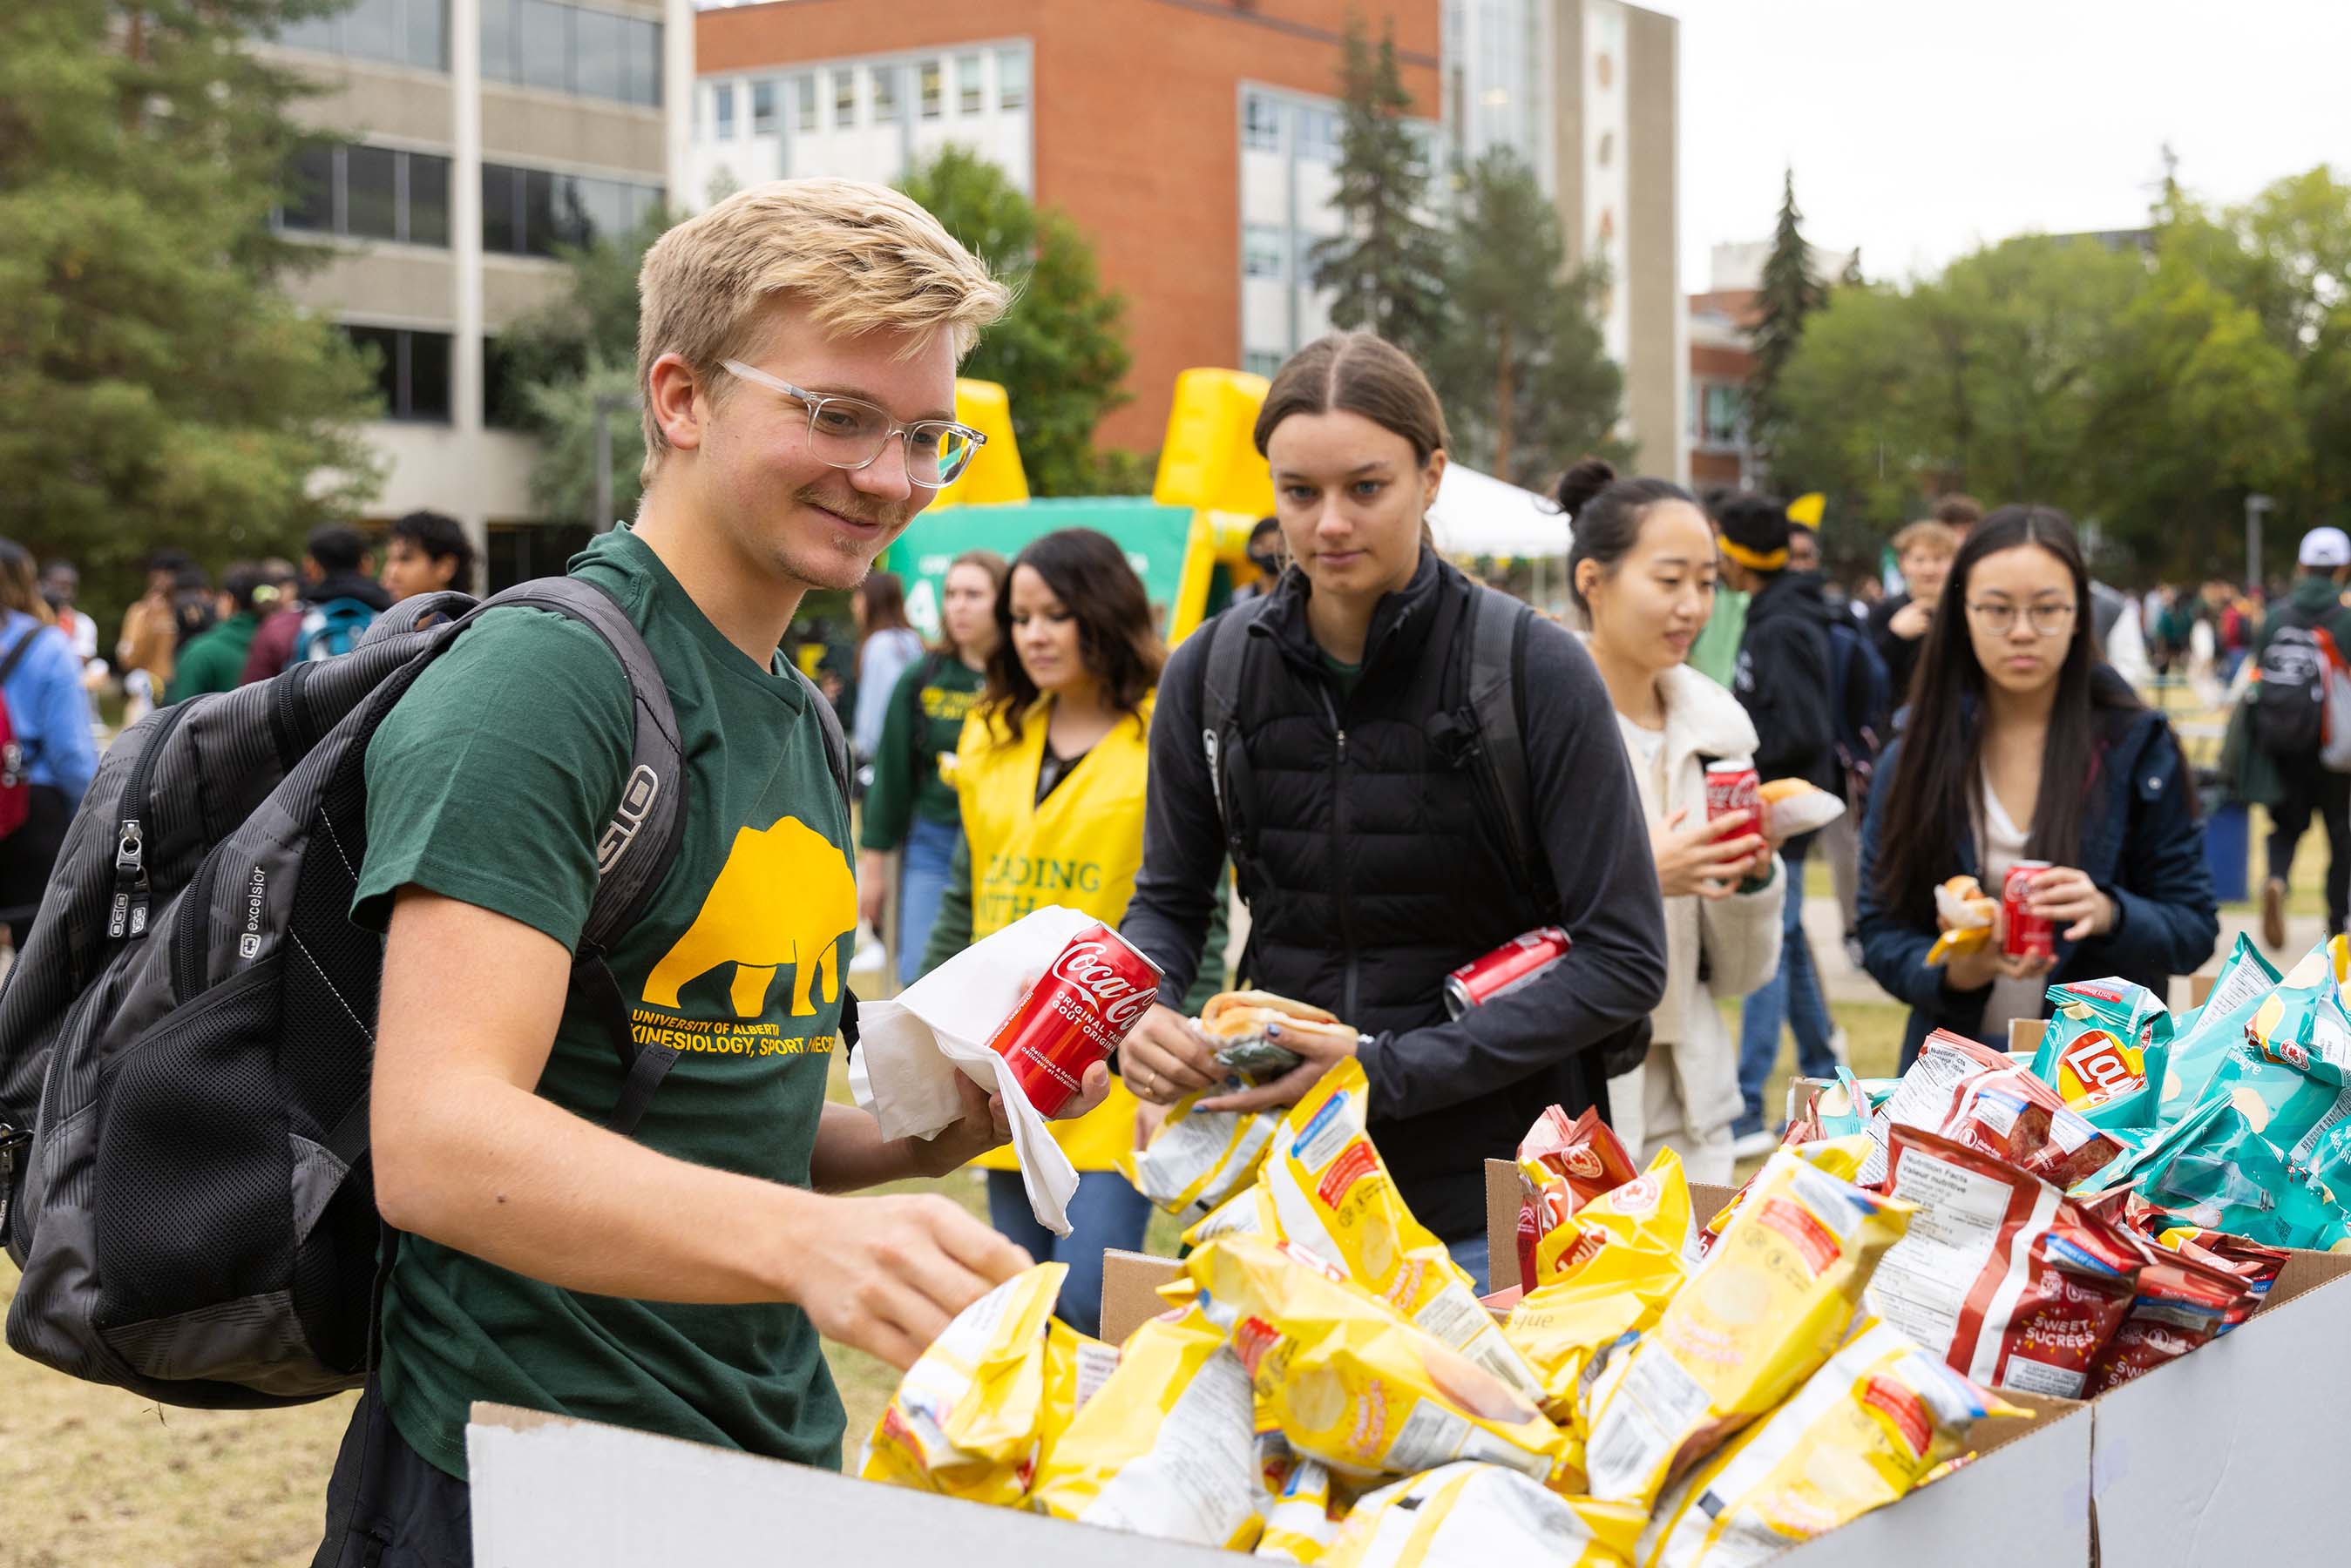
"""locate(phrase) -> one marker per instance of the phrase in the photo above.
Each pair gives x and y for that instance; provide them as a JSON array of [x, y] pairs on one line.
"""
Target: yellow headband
[[1755, 560]]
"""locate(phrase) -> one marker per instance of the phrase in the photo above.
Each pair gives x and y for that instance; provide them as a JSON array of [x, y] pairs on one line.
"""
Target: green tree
[[1384, 271], [1060, 351], [156, 386], [1790, 294], [1526, 381]]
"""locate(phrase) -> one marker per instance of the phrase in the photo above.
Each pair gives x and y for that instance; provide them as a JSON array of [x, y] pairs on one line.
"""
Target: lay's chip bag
[[1652, 1210], [1349, 1382], [2214, 1171], [1862, 1432], [2105, 1051], [1333, 1196], [1566, 1328], [1298, 1521], [1249, 1213], [974, 1410], [1167, 1446], [1198, 1160], [1843, 1157], [2213, 1033], [2291, 1079], [1472, 1515], [1763, 1312]]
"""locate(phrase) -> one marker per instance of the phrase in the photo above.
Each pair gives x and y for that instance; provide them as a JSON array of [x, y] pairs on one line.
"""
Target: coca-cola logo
[[1088, 968]]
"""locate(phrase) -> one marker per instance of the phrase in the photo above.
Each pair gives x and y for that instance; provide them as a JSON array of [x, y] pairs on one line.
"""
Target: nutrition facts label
[[1643, 1422], [1199, 1481], [1922, 1282], [1918, 1100]]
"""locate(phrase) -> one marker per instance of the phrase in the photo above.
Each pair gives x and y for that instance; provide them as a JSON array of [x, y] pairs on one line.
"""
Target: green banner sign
[[1154, 537]]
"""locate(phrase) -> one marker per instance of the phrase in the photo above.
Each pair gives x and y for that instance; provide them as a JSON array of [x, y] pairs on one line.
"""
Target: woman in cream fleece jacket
[[1642, 570]]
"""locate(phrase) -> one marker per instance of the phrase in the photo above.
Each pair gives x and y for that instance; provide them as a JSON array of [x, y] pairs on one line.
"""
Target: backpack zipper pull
[[131, 887]]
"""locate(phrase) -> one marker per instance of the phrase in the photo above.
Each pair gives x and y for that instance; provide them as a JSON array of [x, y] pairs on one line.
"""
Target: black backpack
[[2289, 691], [1860, 692], [186, 1039], [1483, 717]]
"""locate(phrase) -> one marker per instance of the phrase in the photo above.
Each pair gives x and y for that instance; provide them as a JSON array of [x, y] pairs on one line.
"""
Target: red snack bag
[[2253, 1264], [2012, 1115], [2011, 1282], [1923, 1098], [1563, 1164], [2180, 1304]]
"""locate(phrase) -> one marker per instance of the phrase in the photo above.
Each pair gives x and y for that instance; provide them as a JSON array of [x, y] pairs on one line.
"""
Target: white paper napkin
[[910, 1048]]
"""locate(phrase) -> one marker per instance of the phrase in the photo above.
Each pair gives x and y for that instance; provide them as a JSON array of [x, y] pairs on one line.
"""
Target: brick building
[[1195, 142], [1722, 360]]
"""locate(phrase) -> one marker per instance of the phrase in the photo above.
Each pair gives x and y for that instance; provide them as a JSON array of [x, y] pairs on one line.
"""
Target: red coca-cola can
[[2028, 935], [1075, 1015], [1515, 964], [1732, 786]]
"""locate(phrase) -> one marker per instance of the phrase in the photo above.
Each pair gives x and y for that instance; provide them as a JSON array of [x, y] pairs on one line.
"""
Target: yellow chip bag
[[1863, 1431], [973, 1410], [1167, 1446], [1769, 1305], [1352, 1382], [1652, 1211], [1298, 1526], [1842, 1157], [1564, 1328], [1249, 1213], [1198, 1158], [1481, 1516], [1333, 1196]]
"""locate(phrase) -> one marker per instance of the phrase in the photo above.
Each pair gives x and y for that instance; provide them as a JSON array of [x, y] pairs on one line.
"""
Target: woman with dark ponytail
[[2020, 745], [1642, 570]]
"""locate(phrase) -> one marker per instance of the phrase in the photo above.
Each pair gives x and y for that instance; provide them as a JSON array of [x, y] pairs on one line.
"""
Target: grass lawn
[[95, 1477]]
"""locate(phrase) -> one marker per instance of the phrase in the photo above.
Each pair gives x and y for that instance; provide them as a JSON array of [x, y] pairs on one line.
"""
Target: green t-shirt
[[907, 782], [489, 783], [1347, 675]]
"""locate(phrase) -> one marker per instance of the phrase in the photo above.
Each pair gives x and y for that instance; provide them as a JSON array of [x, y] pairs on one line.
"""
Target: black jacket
[[1783, 679], [1901, 654], [1375, 868]]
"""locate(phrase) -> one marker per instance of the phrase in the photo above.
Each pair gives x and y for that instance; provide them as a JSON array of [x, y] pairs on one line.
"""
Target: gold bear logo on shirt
[[784, 897]]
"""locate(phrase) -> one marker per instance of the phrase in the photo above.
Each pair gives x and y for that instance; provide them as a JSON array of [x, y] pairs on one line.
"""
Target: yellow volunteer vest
[[1081, 849]]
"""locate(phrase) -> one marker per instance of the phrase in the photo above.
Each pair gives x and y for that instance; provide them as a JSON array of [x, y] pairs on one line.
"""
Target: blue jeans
[[1105, 1212], [1471, 1255], [1792, 996], [924, 864]]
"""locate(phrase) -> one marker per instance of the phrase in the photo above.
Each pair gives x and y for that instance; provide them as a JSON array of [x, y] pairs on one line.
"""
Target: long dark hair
[[1937, 784], [1087, 573], [1604, 515]]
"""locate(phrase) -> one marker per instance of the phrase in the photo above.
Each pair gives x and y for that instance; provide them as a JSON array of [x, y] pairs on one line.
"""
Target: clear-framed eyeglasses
[[1998, 617], [850, 432]]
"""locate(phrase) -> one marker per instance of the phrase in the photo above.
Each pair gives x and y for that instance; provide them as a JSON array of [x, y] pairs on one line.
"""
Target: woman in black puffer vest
[[1369, 848]]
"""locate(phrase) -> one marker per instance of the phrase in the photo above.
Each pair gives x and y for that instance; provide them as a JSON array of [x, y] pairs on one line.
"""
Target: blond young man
[[797, 359]]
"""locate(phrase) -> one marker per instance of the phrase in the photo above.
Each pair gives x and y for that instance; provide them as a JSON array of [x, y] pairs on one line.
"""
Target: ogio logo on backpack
[[637, 798]]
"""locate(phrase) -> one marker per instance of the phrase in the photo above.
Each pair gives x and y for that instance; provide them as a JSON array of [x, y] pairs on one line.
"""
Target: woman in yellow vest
[[1050, 773]]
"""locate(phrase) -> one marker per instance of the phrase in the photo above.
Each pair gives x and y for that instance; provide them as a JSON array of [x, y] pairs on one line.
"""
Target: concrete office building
[[470, 137]]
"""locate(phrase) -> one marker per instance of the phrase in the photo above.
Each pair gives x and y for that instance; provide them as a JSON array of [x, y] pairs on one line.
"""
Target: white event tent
[[1477, 515]]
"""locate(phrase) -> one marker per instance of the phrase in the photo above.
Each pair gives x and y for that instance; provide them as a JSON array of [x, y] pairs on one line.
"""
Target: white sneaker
[[1747, 1146]]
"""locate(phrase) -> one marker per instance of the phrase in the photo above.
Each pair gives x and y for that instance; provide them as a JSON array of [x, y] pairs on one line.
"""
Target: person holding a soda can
[[1050, 773], [1413, 775], [2031, 767], [1643, 571]]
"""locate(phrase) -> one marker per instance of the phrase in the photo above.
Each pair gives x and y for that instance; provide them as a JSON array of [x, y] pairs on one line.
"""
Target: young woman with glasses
[[2022, 745]]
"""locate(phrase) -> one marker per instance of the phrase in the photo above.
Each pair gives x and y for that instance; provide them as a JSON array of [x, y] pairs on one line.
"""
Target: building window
[[1261, 251], [570, 48], [885, 94], [412, 371], [722, 112], [398, 32], [844, 98], [1722, 414], [804, 102], [763, 109], [368, 193], [1261, 362], [971, 92], [520, 551], [1318, 135], [532, 212], [1011, 78], [932, 74], [1261, 123]]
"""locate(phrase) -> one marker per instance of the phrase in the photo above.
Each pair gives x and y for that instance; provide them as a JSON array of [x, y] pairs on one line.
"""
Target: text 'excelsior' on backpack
[[187, 1037]]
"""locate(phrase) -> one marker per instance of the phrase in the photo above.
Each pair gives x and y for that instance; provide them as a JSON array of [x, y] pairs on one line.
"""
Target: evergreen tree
[[1384, 272], [156, 387], [1060, 351], [1522, 372], [1788, 295]]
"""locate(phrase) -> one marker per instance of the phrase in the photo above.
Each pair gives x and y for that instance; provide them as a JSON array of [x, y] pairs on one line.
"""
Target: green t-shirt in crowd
[[489, 783], [1714, 652], [214, 659], [927, 708], [1349, 675]]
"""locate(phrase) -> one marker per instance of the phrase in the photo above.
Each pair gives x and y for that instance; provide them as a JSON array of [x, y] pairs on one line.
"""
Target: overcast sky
[[1919, 127]]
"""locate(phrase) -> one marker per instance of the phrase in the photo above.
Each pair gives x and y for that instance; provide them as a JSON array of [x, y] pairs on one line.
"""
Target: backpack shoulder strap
[[1220, 690], [636, 847], [17, 653], [836, 741], [1493, 681]]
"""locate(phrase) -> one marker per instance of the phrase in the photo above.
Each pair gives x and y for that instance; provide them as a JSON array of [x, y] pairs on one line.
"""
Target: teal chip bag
[[2215, 1171], [2291, 1079], [2210, 1035], [2106, 1042]]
